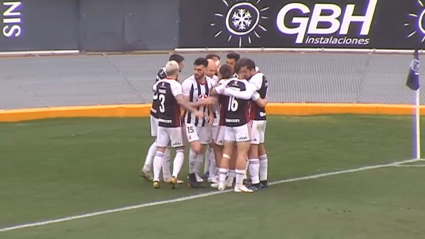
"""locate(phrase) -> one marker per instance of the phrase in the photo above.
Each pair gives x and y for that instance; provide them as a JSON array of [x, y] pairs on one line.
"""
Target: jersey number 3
[[161, 99], [233, 104]]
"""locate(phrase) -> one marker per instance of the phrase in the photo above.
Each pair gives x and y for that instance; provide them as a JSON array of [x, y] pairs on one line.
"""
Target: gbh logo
[[309, 26]]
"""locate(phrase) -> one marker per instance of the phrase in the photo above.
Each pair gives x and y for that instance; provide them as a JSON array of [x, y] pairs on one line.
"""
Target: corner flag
[[413, 77], [413, 83]]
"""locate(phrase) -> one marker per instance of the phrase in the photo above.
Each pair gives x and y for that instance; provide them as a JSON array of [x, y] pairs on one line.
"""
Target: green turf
[[57, 168]]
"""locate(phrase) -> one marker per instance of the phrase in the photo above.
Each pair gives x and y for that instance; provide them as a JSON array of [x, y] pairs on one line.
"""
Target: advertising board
[[361, 24], [29, 25]]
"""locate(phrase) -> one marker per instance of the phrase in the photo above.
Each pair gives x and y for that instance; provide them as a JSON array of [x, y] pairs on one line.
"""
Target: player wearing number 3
[[169, 131], [146, 170]]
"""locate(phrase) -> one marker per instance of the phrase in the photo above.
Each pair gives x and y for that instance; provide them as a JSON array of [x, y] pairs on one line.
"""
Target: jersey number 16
[[233, 104]]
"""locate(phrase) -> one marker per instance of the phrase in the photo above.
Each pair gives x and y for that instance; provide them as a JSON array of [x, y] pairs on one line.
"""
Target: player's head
[[215, 58], [225, 71], [172, 69], [200, 67], [211, 69], [232, 58], [247, 68], [179, 59]]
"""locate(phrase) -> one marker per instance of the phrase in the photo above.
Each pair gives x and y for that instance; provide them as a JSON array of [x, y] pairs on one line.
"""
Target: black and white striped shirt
[[196, 91]]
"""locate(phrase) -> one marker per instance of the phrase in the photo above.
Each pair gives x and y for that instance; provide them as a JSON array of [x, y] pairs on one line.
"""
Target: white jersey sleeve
[[186, 85], [154, 86], [245, 95], [214, 80], [257, 80], [176, 88], [222, 86]]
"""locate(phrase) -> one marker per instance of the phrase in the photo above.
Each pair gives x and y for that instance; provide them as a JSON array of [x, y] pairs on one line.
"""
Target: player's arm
[[258, 100], [245, 95], [176, 89]]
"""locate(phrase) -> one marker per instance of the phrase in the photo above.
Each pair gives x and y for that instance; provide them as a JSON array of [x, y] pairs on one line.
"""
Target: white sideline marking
[[182, 199], [411, 165]]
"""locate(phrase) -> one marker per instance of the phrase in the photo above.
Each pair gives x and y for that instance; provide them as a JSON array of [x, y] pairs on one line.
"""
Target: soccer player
[[198, 131], [258, 161], [146, 170], [210, 161], [237, 128], [170, 98], [216, 58], [231, 59]]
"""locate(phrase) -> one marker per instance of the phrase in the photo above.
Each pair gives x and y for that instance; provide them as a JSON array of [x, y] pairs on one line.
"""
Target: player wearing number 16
[[237, 127], [170, 96]]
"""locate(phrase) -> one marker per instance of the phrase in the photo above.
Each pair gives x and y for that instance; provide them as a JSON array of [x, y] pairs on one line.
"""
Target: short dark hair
[[225, 71], [201, 61], [212, 55], [233, 55], [176, 57], [248, 63]]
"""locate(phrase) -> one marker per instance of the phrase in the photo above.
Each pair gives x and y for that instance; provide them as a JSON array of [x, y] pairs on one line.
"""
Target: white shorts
[[219, 135], [238, 134], [195, 133], [154, 126], [169, 135], [258, 130]]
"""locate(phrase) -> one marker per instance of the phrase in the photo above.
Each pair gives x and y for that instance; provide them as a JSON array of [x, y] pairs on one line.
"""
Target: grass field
[[59, 168]]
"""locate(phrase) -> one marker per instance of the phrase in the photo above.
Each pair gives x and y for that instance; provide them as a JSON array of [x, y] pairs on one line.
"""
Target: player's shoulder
[[210, 80], [189, 80], [162, 74], [258, 76], [174, 83]]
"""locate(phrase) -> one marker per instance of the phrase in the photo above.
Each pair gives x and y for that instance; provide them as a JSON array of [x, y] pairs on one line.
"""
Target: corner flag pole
[[418, 125], [413, 83]]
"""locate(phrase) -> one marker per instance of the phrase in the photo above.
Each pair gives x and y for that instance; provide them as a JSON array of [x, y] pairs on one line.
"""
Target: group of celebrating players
[[224, 121]]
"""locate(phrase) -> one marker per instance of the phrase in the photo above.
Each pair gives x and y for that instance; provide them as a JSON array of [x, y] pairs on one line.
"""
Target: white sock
[[230, 176], [222, 174], [166, 174], [178, 163], [213, 166], [149, 157], [157, 165], [240, 174], [246, 168], [192, 160], [263, 167], [254, 167], [207, 159], [198, 163]]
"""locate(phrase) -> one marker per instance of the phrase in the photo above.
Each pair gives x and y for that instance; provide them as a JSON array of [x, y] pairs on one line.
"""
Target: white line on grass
[[182, 199], [410, 165]]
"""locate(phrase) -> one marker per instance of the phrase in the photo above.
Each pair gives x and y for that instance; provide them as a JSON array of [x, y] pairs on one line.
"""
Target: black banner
[[364, 24], [128, 25], [30, 25]]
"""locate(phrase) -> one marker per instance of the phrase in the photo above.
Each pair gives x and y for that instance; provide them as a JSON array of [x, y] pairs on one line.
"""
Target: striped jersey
[[262, 86], [196, 91], [155, 104]]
